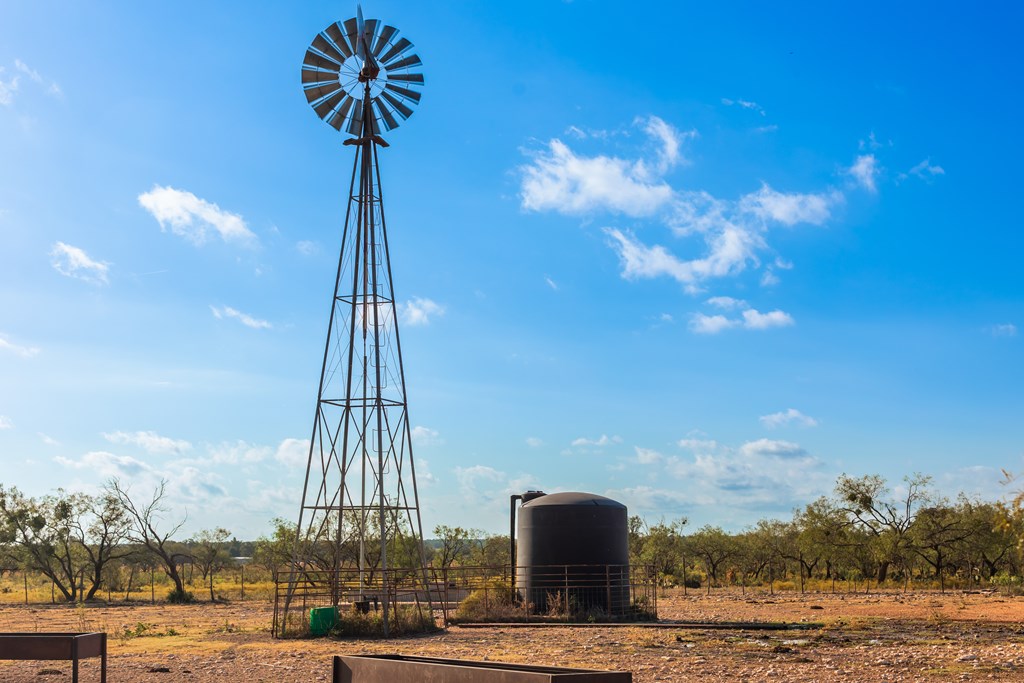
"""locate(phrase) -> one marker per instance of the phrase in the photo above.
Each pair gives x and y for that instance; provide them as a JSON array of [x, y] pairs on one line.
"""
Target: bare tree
[[145, 519]]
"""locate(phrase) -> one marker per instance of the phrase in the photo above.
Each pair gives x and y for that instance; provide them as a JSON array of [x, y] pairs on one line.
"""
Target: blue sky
[[701, 259]]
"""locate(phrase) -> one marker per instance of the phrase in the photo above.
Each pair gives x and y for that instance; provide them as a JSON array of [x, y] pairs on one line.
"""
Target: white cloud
[[769, 278], [305, 247], [534, 442], [787, 417], [726, 302], [730, 249], [865, 171], [12, 84], [790, 208], [559, 180], [418, 311], [755, 320], [244, 318], [925, 169], [551, 283], [600, 442], [6, 423], [699, 445], [652, 500], [151, 442], [48, 440], [425, 436], [647, 456], [711, 324], [74, 262], [292, 452], [1003, 330], [7, 88], [18, 350], [192, 218], [752, 319], [232, 453], [107, 465], [745, 104]]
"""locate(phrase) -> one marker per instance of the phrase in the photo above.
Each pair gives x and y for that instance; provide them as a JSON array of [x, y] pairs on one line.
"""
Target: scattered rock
[[50, 672], [159, 670]]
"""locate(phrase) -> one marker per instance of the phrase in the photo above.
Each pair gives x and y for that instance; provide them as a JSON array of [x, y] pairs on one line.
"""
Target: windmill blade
[[352, 33], [325, 107], [315, 93], [310, 76], [323, 45], [404, 92], [370, 31], [408, 78], [385, 35], [399, 106], [389, 120], [338, 117], [319, 61], [355, 126], [396, 49], [338, 38], [411, 60]]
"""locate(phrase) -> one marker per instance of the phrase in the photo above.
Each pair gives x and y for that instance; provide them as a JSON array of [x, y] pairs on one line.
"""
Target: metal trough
[[401, 669], [56, 646]]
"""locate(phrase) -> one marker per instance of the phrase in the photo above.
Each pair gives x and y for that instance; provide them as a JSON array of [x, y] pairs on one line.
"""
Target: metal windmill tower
[[360, 505]]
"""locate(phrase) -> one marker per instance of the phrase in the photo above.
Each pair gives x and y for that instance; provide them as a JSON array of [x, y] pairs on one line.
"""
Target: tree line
[[865, 531]]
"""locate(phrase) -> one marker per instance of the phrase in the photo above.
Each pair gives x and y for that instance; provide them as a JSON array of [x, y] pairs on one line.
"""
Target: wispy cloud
[[244, 318], [292, 452], [925, 170], [751, 319], [790, 208], [787, 417], [726, 302], [17, 349], [419, 311], [149, 441], [425, 436], [1003, 330], [6, 423], [745, 104], [864, 172], [551, 283], [192, 218], [557, 179], [305, 247], [733, 233], [47, 439], [11, 84], [74, 262], [601, 441], [534, 442]]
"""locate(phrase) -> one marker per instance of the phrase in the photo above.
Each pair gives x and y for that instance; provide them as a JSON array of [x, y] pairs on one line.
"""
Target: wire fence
[[568, 593]]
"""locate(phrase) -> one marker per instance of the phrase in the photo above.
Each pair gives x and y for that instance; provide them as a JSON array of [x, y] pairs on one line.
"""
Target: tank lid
[[574, 498]]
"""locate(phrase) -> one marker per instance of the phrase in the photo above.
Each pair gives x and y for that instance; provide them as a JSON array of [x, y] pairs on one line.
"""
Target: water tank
[[573, 548]]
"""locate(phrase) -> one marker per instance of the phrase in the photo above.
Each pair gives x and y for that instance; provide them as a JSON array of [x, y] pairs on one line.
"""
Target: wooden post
[[243, 582], [152, 587], [25, 576]]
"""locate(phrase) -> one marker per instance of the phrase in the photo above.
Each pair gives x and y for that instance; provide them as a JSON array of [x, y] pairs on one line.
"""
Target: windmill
[[360, 504]]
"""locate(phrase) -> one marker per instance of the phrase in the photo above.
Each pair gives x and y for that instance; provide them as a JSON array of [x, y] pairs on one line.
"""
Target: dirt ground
[[920, 636]]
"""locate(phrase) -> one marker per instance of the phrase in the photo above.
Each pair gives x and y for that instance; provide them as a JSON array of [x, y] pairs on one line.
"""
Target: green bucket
[[322, 620]]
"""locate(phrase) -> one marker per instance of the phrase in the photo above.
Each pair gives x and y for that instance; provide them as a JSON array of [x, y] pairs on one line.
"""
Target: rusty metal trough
[[56, 646], [402, 668]]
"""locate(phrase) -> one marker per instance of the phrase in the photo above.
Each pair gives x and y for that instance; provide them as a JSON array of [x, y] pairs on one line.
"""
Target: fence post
[[608, 587], [243, 583], [25, 576]]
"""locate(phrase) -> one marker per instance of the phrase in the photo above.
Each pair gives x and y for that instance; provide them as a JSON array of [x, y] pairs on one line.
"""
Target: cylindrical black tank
[[574, 548]]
